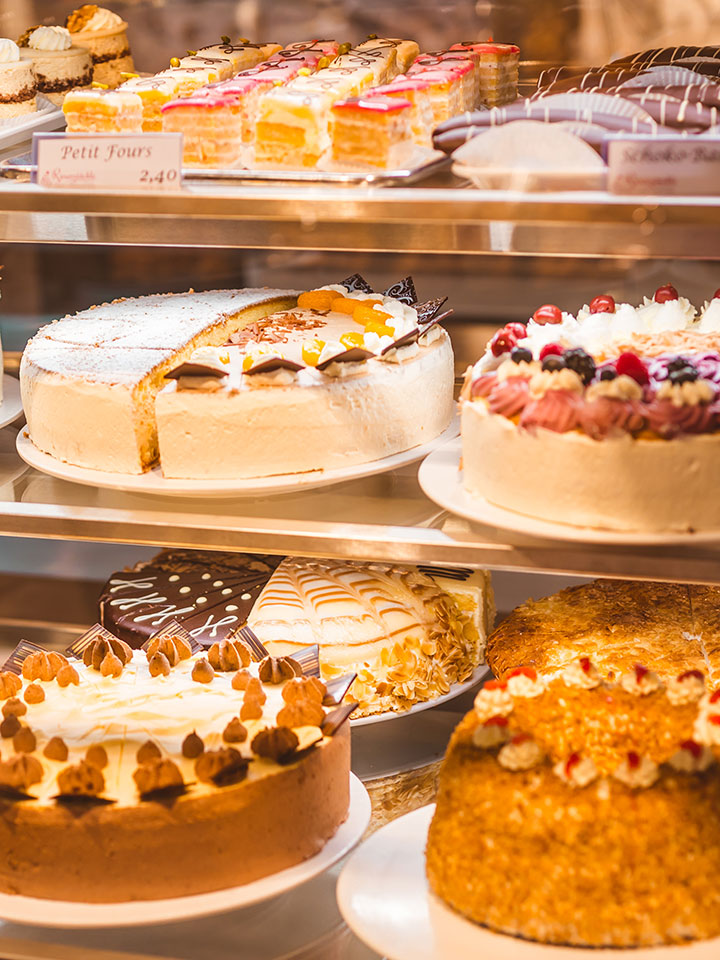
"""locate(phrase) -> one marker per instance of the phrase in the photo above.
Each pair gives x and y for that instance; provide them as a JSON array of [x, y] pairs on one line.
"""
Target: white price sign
[[670, 166], [100, 161]]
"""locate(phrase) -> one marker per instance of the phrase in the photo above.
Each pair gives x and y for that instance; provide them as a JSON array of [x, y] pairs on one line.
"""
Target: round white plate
[[11, 406], [385, 900], [455, 691], [440, 477], [154, 482], [59, 913]]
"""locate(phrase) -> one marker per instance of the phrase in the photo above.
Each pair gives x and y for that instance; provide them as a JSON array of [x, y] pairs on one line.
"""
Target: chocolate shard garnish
[[78, 647], [353, 355], [336, 718], [403, 290], [196, 370], [429, 308], [337, 688], [20, 654], [298, 755], [309, 660], [450, 573], [257, 647], [174, 629], [403, 341], [81, 801], [436, 320], [273, 363], [356, 282]]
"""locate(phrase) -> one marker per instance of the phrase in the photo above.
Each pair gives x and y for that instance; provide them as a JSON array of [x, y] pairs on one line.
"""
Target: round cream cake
[[186, 772], [608, 420], [221, 385]]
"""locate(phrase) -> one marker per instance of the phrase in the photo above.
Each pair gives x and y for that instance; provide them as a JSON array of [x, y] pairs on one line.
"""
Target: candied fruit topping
[[666, 292], [529, 672], [502, 342], [692, 747], [495, 685], [375, 326], [633, 760], [349, 305], [692, 673], [715, 696], [640, 672], [351, 340], [517, 330], [551, 349], [317, 299], [586, 664], [496, 721], [311, 351], [520, 738], [365, 314], [572, 761], [632, 366], [602, 304]]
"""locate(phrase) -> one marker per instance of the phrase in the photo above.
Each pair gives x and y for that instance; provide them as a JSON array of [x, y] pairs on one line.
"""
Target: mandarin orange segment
[[347, 304], [311, 351], [351, 340], [375, 326], [366, 314], [317, 299]]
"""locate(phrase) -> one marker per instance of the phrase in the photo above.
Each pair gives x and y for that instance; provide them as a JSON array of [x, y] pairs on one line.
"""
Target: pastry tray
[[432, 163], [14, 130]]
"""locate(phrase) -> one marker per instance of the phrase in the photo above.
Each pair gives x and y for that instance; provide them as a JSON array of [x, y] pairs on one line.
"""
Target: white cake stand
[[60, 913], [154, 482], [11, 406], [440, 477], [384, 897]]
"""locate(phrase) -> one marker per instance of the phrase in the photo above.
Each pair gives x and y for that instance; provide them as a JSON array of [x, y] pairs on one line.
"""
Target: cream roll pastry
[[206, 769], [606, 420], [346, 377]]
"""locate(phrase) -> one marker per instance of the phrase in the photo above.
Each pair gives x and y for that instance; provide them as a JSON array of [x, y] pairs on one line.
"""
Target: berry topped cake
[[613, 414], [581, 812]]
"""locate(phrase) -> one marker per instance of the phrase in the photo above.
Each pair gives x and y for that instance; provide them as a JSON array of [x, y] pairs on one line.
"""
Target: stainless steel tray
[[22, 164]]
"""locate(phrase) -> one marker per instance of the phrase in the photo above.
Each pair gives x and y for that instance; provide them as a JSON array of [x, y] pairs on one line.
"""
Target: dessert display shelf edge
[[389, 868], [14, 130], [456, 690], [153, 482], [72, 914], [440, 477], [11, 407], [433, 162]]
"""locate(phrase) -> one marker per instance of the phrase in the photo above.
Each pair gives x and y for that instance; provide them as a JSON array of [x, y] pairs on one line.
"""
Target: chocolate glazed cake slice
[[210, 594]]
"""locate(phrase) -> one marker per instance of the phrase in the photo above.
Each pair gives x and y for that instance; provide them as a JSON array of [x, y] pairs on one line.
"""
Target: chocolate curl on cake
[[271, 364], [356, 283], [221, 767], [183, 641], [403, 290], [229, 655], [158, 775], [203, 370], [353, 355]]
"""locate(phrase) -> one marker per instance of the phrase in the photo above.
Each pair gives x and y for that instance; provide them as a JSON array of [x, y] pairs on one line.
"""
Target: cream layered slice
[[277, 401], [18, 86], [89, 381], [58, 65], [104, 35], [407, 639]]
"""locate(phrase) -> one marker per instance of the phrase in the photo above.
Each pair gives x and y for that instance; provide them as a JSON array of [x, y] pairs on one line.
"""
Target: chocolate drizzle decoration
[[273, 363], [196, 370], [356, 282], [403, 290], [353, 355]]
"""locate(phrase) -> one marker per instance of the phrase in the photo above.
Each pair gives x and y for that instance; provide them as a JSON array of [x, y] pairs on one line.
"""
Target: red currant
[[529, 672], [496, 721], [640, 672], [502, 342], [548, 313], [632, 366], [518, 330], [692, 747], [716, 294], [602, 304], [665, 293], [633, 760], [554, 349]]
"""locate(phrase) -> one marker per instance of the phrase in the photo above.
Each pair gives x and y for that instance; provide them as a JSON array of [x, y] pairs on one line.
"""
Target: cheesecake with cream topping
[[58, 64], [188, 771], [104, 35], [18, 85]]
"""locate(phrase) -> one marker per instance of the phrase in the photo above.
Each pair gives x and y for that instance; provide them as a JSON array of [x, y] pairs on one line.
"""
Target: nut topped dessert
[[214, 769], [615, 413], [581, 812]]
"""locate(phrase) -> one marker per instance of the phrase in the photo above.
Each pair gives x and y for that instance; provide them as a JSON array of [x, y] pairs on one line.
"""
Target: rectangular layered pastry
[[103, 111], [212, 129], [373, 131]]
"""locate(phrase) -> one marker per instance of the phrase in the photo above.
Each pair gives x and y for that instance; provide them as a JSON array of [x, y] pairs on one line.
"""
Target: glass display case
[[495, 251]]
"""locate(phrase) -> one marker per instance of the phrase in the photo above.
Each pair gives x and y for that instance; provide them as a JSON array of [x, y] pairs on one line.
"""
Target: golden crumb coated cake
[[582, 812], [671, 627]]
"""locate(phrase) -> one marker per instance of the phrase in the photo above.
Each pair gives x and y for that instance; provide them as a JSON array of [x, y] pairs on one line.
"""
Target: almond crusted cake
[[583, 813], [183, 770], [618, 623], [613, 415]]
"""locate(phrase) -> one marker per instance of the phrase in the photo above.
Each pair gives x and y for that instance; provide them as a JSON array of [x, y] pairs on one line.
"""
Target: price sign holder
[[108, 161], [667, 164]]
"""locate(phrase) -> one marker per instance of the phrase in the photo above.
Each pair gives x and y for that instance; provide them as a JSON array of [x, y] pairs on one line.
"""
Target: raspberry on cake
[[18, 86], [103, 111], [160, 754], [558, 821], [371, 131]]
